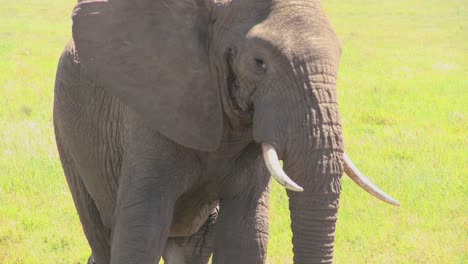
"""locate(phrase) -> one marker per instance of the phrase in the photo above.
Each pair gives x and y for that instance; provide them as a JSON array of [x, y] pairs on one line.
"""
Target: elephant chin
[[274, 167]]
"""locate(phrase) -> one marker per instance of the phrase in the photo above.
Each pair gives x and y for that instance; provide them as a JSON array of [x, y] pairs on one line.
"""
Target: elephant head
[[196, 68]]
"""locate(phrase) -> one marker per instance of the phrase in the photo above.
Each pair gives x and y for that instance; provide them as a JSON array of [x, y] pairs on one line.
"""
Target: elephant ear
[[152, 55]]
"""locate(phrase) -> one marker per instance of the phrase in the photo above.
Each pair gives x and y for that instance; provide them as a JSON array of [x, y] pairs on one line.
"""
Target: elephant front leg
[[154, 174], [143, 221], [242, 232], [242, 227]]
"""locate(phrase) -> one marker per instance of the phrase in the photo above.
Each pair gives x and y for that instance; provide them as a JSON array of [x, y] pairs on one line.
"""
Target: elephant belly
[[191, 211]]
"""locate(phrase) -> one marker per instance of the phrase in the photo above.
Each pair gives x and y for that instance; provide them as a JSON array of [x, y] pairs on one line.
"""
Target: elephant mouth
[[270, 157]]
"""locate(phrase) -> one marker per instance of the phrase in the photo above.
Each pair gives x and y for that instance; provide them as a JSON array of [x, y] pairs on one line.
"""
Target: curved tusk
[[273, 165], [365, 183]]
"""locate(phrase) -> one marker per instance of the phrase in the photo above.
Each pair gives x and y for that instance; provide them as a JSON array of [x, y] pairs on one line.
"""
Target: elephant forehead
[[297, 32]]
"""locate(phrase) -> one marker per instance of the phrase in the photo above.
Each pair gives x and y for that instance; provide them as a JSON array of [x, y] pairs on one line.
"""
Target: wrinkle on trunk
[[314, 161], [313, 155], [314, 237], [314, 212], [299, 117]]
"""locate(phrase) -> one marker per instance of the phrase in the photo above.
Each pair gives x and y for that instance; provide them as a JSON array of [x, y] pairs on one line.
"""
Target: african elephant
[[165, 111]]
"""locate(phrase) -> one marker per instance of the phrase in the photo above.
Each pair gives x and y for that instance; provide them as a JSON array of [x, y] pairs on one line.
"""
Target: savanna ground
[[403, 91]]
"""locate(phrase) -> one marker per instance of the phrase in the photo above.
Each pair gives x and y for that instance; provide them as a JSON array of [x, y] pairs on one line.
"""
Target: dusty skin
[[161, 110]]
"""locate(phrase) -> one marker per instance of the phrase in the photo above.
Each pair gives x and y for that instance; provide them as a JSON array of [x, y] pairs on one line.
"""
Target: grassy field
[[403, 90]]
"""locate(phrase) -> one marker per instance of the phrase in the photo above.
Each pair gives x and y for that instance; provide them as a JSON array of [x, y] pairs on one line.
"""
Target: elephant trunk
[[315, 163], [306, 131], [314, 212]]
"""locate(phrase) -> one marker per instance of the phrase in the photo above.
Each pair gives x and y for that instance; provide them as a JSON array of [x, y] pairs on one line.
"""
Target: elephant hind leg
[[97, 234], [195, 249]]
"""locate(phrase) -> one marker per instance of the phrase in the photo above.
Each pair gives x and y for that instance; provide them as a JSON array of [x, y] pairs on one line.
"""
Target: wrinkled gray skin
[[161, 107]]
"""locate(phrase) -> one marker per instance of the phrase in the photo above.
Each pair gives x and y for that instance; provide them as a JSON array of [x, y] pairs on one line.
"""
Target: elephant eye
[[260, 64]]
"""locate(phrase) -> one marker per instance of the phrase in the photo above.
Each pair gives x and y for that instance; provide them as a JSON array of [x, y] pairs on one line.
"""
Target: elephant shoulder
[[69, 62], [72, 79], [76, 94]]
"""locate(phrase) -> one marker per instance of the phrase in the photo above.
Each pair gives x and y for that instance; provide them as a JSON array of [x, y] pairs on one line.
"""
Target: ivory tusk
[[272, 162], [363, 182]]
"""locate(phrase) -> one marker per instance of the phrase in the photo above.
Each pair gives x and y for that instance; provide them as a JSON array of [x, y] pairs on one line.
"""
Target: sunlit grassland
[[403, 92], [38, 223]]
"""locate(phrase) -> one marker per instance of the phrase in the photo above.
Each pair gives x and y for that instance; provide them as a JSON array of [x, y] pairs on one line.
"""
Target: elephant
[[171, 117]]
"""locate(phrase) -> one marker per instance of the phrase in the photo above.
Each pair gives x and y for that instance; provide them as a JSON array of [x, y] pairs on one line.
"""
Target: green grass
[[403, 91]]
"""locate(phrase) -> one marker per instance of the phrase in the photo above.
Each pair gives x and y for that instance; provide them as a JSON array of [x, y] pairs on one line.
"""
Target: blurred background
[[403, 93]]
